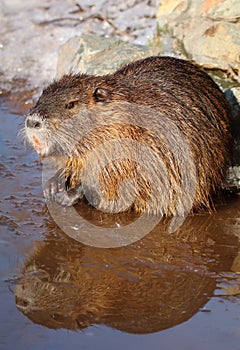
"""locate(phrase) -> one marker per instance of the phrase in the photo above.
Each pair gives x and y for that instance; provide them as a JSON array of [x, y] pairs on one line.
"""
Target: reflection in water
[[145, 287]]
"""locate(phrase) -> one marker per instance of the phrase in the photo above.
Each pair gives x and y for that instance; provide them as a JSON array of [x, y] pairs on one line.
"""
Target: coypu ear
[[101, 94]]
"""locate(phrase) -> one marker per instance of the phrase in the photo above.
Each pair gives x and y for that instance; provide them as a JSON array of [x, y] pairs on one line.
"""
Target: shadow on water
[[148, 286]]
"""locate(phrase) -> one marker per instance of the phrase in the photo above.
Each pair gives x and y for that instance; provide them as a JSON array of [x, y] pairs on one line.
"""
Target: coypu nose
[[33, 123]]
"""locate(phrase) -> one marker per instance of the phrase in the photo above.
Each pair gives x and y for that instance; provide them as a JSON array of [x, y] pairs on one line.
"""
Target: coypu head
[[61, 101]]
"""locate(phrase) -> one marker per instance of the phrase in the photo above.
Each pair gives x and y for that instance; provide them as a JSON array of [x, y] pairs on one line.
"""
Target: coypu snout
[[33, 121], [36, 133]]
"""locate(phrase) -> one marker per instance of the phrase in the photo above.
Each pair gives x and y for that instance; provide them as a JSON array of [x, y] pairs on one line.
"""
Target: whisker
[[21, 134]]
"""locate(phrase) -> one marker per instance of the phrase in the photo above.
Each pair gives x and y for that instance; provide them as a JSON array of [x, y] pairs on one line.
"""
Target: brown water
[[165, 291]]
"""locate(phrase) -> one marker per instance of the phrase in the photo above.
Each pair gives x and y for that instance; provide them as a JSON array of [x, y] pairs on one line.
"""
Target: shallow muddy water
[[164, 291]]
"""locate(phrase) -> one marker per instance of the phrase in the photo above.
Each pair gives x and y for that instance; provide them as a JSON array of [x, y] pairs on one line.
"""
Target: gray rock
[[208, 32], [98, 55]]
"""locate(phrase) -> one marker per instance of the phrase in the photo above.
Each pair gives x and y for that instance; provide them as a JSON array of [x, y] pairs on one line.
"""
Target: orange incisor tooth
[[35, 139]]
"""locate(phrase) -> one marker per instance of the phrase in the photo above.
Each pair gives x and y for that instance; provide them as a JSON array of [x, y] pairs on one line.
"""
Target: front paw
[[68, 198], [55, 190], [54, 186]]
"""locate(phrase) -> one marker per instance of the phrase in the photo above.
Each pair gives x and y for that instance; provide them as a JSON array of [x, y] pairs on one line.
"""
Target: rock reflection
[[148, 286]]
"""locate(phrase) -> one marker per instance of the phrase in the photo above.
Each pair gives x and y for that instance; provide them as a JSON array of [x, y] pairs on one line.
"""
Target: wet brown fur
[[174, 88]]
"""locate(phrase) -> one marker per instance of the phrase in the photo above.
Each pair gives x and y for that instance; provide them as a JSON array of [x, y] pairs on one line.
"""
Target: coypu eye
[[71, 104]]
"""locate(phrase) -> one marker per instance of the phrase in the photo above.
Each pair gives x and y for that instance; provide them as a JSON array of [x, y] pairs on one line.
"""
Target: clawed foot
[[55, 190]]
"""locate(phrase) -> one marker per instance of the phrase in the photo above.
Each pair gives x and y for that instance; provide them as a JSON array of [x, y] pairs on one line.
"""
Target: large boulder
[[98, 55], [207, 31]]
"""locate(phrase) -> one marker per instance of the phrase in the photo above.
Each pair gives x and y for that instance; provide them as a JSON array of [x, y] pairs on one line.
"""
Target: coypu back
[[154, 135]]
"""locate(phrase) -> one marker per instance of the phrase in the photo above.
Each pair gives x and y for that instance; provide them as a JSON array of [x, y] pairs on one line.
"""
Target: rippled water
[[164, 291]]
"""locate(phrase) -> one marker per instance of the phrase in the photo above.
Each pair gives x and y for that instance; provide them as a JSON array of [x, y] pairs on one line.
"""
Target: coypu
[[167, 105]]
